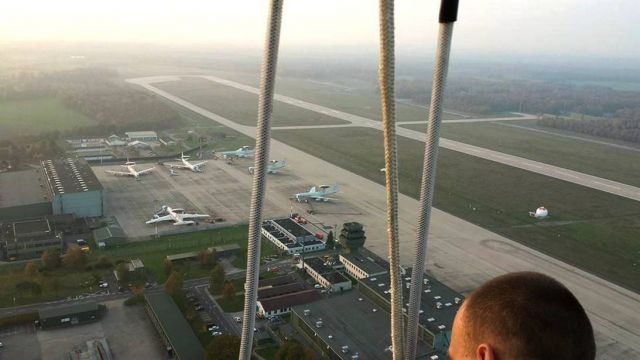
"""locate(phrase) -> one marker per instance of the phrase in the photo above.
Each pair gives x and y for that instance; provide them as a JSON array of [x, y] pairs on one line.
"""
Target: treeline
[[486, 96], [97, 94], [625, 126], [25, 149]]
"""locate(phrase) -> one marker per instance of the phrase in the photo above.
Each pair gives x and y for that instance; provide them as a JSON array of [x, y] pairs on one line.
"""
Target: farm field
[[22, 117], [585, 225], [240, 105], [590, 158]]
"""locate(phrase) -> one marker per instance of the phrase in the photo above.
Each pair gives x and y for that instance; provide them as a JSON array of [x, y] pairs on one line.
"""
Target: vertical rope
[[387, 98], [265, 106], [449, 9]]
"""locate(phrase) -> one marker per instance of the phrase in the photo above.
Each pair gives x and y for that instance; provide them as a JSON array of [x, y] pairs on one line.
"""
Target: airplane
[[131, 171], [273, 167], [178, 216], [185, 164], [540, 213], [318, 194], [243, 152]]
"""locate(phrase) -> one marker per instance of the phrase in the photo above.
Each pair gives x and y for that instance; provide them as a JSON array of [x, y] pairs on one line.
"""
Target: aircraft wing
[[322, 198], [199, 164], [193, 216], [119, 173], [145, 171], [159, 219]]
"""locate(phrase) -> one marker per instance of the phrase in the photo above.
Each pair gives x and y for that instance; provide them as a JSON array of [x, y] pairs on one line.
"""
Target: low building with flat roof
[[173, 328], [361, 266], [291, 237], [28, 239], [325, 275], [279, 305], [349, 325], [69, 315], [276, 281], [227, 250], [273, 291], [109, 235], [141, 135]]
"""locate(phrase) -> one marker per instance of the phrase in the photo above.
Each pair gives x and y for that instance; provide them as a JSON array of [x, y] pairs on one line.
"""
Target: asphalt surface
[[460, 254]]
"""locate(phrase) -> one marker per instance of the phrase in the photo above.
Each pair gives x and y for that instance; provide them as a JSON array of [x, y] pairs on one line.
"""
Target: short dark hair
[[529, 315]]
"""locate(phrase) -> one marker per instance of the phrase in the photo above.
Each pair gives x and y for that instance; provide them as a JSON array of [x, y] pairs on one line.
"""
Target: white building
[[142, 135]]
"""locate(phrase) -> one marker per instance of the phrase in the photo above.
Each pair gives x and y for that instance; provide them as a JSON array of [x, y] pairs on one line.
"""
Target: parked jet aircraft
[[273, 167], [185, 164], [318, 194], [131, 171], [178, 216], [243, 152]]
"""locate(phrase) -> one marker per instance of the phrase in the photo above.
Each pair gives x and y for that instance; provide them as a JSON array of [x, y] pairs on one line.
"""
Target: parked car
[[199, 308], [237, 319], [216, 333], [104, 284]]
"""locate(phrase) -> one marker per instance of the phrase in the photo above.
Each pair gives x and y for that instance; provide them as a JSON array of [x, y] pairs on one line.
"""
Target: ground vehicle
[[237, 319], [1, 345], [216, 333], [104, 284], [198, 307]]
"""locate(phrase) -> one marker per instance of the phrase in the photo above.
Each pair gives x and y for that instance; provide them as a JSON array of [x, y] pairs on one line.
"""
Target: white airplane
[[243, 152], [318, 194], [131, 171], [178, 216], [540, 213], [273, 167], [185, 164]]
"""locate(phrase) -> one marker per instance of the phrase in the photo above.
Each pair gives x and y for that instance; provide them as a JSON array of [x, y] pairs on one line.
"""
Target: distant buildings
[[291, 237], [141, 136], [29, 238]]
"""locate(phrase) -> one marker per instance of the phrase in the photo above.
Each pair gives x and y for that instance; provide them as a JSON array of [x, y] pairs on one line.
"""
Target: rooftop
[[70, 176], [67, 310], [108, 232], [227, 247], [276, 281], [20, 188], [141, 134], [364, 262], [318, 265], [269, 292], [335, 277], [29, 227], [175, 327], [292, 227], [289, 300], [352, 323]]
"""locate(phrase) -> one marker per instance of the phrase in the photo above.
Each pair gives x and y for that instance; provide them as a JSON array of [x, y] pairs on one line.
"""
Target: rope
[[428, 181], [265, 106], [387, 97]]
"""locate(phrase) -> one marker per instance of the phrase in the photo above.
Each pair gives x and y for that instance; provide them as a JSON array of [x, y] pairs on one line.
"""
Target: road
[[460, 254], [575, 177]]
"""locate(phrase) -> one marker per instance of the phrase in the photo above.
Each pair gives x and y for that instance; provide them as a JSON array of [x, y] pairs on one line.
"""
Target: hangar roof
[[20, 188], [70, 176]]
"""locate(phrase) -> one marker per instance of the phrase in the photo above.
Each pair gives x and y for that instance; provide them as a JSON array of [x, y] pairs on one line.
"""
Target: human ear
[[484, 352]]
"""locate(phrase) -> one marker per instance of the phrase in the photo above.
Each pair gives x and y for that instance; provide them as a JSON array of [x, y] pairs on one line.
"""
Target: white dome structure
[[541, 213]]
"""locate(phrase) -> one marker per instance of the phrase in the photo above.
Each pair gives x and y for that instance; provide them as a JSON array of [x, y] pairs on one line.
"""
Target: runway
[[575, 177], [460, 254]]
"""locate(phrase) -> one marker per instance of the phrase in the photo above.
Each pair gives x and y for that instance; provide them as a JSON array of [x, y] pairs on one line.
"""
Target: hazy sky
[[563, 27]]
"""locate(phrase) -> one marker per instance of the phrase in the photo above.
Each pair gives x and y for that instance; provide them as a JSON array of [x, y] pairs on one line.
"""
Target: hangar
[[24, 194], [71, 315], [73, 188]]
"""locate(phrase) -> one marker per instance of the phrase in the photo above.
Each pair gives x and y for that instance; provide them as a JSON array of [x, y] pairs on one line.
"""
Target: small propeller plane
[[273, 167], [131, 170], [185, 164], [178, 216], [243, 152], [318, 194]]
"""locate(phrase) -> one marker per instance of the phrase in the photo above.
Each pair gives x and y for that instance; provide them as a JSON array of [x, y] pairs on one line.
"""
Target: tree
[[168, 266], [173, 285], [331, 243], [51, 259], [206, 259], [229, 291], [30, 269], [352, 236], [122, 271], [216, 279], [104, 262], [293, 350], [75, 258], [223, 347]]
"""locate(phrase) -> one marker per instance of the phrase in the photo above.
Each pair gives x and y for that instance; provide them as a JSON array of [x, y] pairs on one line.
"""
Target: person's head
[[524, 316]]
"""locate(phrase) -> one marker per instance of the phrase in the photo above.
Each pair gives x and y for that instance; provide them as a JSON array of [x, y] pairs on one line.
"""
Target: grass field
[[239, 105], [590, 158], [22, 117], [590, 229], [349, 99]]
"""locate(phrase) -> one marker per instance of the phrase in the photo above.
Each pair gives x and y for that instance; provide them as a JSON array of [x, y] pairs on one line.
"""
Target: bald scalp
[[528, 315]]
